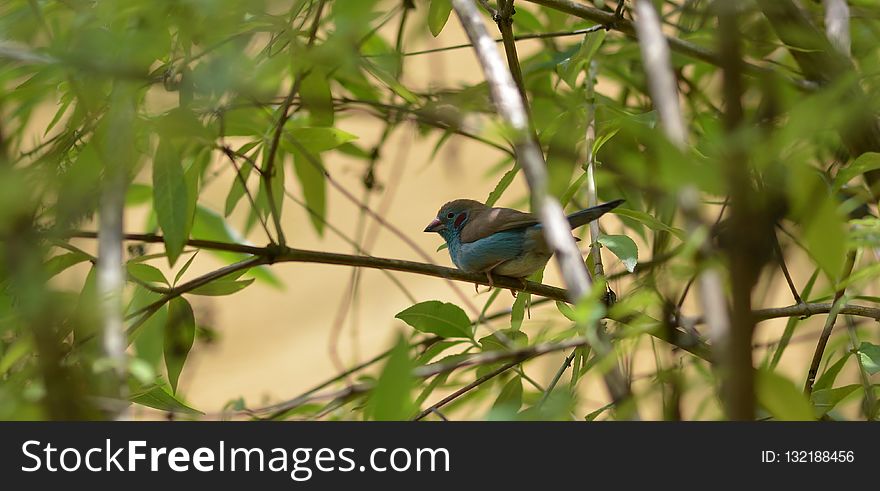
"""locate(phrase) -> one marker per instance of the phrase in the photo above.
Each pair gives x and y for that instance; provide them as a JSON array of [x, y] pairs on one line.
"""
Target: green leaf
[[57, 264], [182, 123], [19, 348], [511, 395], [792, 322], [825, 237], [781, 398], [138, 194], [391, 399], [237, 190], [869, 354], [317, 97], [649, 221], [866, 162], [146, 273], [314, 187], [211, 226], [434, 317], [624, 248], [180, 331], [502, 185], [185, 267], [158, 398], [438, 14], [171, 199], [499, 340], [826, 381], [518, 310], [316, 140], [570, 68], [825, 400], [219, 288]]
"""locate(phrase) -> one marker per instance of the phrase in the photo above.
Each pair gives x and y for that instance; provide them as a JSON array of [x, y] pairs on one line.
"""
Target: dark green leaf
[[185, 267], [180, 331], [171, 199], [826, 381], [317, 98], [434, 317], [314, 187]]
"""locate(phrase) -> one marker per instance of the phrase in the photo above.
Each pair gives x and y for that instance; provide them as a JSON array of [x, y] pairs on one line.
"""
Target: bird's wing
[[483, 223], [488, 252]]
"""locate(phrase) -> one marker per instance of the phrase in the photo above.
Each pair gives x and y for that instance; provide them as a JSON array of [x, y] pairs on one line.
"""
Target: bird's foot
[[491, 281]]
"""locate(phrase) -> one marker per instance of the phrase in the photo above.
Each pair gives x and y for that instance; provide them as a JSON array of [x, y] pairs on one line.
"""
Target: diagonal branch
[[509, 103]]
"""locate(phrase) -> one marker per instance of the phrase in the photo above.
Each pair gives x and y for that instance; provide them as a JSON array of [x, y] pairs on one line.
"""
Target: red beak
[[435, 226]]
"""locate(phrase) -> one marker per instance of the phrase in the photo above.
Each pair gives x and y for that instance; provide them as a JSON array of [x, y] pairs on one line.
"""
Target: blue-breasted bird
[[500, 241]]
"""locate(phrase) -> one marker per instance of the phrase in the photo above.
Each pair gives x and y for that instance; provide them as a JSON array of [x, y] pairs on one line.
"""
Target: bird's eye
[[450, 215]]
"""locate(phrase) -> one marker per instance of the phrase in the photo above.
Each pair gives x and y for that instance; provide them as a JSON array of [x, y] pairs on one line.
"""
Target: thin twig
[[467, 388], [836, 308]]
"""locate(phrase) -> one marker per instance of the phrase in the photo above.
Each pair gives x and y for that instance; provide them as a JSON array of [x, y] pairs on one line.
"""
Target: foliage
[[172, 94]]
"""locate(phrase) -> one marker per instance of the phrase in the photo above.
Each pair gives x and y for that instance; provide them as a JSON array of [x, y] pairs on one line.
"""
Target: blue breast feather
[[487, 252]]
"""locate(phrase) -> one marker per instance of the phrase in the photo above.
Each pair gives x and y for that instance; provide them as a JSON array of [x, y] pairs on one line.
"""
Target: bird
[[500, 241]]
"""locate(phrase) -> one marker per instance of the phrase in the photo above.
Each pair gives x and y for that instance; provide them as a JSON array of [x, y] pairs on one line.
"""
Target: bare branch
[[837, 24]]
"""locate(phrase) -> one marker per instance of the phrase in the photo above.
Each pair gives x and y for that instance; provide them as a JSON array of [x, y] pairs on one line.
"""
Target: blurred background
[[90, 92]]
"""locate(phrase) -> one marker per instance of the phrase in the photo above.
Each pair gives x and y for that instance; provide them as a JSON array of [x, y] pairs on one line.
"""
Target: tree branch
[[684, 47], [829, 323], [509, 103], [822, 62]]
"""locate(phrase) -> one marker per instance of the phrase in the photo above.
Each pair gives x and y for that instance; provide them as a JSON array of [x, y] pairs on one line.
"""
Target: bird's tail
[[586, 216]]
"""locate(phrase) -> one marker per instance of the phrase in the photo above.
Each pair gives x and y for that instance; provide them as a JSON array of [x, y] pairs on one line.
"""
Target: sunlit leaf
[[781, 398], [434, 317], [869, 354], [158, 398], [438, 14], [624, 248]]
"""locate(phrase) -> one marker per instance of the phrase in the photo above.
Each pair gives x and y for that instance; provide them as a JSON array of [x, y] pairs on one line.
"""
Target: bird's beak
[[435, 226]]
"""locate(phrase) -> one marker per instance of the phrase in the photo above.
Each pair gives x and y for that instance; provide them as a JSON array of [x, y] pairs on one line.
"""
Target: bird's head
[[453, 216]]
